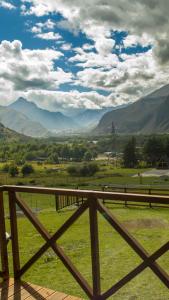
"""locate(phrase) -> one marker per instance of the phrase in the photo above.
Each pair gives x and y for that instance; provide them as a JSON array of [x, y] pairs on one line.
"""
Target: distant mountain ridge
[[20, 123], [91, 117], [148, 115], [53, 121]]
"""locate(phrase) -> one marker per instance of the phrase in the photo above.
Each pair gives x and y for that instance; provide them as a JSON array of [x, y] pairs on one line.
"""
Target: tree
[[29, 156], [153, 150], [27, 170], [13, 170], [78, 152], [87, 156], [113, 130], [53, 159], [167, 147], [129, 154], [65, 152]]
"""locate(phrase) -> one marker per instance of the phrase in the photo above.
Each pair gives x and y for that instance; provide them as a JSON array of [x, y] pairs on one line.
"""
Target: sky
[[64, 54]]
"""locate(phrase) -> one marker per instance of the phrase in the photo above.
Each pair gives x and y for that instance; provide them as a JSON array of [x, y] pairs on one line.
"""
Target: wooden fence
[[143, 189], [62, 201], [94, 202]]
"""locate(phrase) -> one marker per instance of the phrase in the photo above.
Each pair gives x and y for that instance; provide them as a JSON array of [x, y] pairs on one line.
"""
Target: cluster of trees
[[50, 152], [13, 170], [87, 169], [154, 150]]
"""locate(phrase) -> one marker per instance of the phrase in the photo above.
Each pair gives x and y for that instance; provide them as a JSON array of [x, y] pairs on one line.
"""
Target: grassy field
[[57, 176], [149, 226]]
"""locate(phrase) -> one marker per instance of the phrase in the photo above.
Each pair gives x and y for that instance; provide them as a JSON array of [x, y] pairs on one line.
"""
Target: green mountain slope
[[148, 115], [7, 134]]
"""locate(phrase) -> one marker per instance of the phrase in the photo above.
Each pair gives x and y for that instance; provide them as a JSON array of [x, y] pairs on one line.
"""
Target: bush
[[27, 170], [13, 170], [83, 170], [5, 168]]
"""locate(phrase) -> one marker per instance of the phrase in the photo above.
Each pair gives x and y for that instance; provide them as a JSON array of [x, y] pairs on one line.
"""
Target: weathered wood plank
[[20, 290], [57, 296]]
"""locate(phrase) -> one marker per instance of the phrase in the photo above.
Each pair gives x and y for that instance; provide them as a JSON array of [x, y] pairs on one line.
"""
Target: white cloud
[[87, 47], [91, 59], [141, 18], [132, 78], [66, 47], [33, 73], [133, 40], [58, 100], [40, 27], [6, 4], [24, 69], [49, 36]]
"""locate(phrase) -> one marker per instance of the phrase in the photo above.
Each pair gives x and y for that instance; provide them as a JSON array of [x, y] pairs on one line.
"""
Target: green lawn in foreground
[[149, 226]]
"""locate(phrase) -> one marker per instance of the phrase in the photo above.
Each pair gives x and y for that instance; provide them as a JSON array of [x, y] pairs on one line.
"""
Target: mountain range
[[52, 121], [148, 115], [21, 123], [32, 120]]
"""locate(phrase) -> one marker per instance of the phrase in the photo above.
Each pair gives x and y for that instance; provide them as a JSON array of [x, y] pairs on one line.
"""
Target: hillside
[[22, 124], [148, 115], [8, 134], [53, 121]]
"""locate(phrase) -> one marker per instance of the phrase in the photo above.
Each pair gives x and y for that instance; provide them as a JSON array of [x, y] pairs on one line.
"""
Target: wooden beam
[[3, 243], [14, 234]]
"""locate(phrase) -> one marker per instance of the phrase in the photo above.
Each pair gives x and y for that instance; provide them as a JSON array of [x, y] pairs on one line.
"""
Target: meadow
[[56, 175]]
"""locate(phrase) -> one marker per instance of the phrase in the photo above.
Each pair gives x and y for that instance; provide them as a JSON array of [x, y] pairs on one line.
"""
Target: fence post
[[3, 242], [94, 247], [57, 202], [77, 199], [150, 205], [14, 234], [125, 190], [103, 190]]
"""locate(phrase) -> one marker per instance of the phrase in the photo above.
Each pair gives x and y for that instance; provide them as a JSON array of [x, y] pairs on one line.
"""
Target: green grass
[[57, 176], [117, 258]]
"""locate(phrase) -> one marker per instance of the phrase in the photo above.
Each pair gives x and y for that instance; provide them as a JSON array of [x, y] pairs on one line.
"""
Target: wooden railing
[[4, 271], [93, 202]]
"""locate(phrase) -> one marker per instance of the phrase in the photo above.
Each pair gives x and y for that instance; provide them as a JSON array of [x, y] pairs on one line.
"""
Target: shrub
[[13, 170], [27, 170], [5, 168], [53, 159], [83, 170]]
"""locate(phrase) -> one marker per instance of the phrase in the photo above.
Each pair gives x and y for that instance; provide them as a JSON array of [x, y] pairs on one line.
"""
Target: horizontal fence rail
[[145, 189], [93, 201]]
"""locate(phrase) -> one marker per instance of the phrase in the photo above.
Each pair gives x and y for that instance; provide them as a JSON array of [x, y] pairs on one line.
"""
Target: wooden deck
[[20, 290]]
